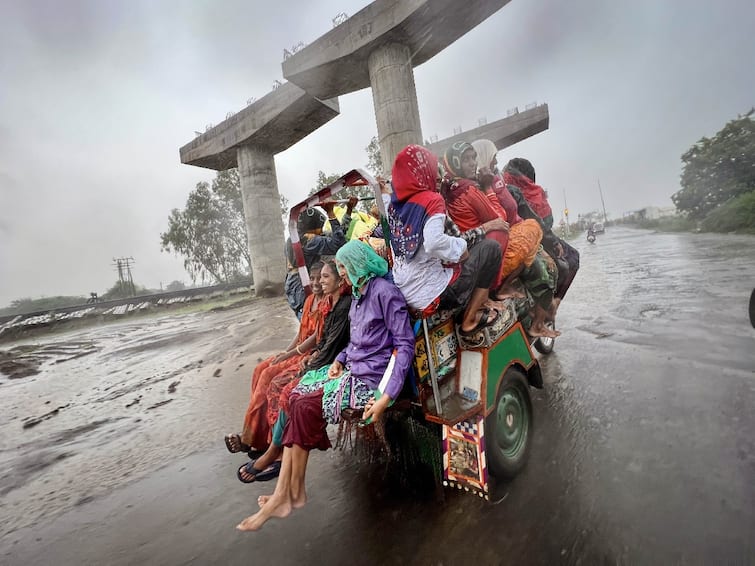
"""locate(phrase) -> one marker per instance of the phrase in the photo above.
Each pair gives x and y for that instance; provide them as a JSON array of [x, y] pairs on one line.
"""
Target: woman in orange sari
[[255, 434]]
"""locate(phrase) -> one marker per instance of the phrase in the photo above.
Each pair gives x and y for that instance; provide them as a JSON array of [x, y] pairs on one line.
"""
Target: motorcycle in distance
[[591, 235]]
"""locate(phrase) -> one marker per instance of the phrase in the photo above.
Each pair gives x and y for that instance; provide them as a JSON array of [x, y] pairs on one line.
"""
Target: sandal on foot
[[485, 320], [234, 444], [253, 453], [272, 471], [269, 473]]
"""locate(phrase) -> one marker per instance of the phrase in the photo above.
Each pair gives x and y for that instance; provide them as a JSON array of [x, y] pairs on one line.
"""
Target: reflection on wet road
[[643, 452]]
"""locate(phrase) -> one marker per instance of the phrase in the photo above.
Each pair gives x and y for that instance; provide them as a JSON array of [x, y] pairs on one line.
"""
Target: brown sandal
[[234, 444]]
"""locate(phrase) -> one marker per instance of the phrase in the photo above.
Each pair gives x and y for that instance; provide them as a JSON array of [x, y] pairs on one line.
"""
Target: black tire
[[545, 345], [508, 428]]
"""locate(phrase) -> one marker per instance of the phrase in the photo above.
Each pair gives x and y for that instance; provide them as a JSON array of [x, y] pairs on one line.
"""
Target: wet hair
[[523, 166], [310, 219], [316, 265], [331, 263]]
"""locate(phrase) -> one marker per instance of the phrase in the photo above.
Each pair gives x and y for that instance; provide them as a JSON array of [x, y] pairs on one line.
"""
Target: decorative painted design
[[420, 359], [444, 344], [464, 463], [485, 337]]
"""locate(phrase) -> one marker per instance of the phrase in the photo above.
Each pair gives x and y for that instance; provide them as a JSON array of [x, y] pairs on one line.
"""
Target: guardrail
[[118, 307]]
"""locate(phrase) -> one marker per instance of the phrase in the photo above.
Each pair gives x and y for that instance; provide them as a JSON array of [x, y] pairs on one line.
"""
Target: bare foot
[[262, 499], [274, 508], [553, 309], [507, 292], [491, 314], [494, 304], [541, 330]]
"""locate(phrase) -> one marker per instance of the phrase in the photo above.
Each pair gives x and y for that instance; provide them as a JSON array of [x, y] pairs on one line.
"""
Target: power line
[[125, 278]]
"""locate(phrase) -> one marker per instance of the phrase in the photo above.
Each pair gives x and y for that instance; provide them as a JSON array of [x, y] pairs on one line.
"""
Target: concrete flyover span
[[379, 46], [503, 133]]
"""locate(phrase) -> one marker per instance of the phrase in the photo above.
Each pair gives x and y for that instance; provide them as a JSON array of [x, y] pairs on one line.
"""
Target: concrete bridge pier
[[261, 200], [249, 140], [395, 98]]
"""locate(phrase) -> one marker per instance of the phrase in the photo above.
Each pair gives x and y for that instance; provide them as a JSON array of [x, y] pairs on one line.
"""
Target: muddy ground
[[643, 449]]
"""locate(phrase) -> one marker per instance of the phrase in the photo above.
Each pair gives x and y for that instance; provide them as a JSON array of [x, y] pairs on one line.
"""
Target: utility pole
[[125, 279], [605, 217]]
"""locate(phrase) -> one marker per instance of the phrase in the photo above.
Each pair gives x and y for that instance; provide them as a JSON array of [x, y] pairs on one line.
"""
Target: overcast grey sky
[[97, 96]]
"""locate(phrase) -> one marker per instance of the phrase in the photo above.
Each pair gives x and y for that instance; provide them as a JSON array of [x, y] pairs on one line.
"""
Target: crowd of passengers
[[461, 232]]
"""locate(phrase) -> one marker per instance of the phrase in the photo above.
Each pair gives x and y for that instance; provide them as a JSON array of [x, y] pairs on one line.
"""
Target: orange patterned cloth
[[256, 431], [524, 241]]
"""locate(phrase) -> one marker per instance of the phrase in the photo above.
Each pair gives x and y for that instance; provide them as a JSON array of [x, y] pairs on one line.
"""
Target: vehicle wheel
[[509, 425], [543, 344]]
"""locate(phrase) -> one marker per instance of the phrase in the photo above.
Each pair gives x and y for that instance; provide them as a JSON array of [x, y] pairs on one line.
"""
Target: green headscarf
[[361, 264]]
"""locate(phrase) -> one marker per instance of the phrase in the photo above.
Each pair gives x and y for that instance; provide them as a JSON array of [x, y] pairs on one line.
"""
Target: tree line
[[718, 179], [209, 233]]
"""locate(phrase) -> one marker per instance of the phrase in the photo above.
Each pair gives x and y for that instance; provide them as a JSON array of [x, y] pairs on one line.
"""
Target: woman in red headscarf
[[431, 268]]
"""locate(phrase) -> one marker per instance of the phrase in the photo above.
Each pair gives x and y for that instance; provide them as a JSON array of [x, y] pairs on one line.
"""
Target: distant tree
[[210, 232], [374, 159], [175, 286], [323, 181], [123, 290], [718, 169], [27, 304]]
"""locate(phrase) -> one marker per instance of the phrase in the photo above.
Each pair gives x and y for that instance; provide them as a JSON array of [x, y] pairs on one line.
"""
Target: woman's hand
[[335, 370], [385, 187], [351, 203], [496, 224], [304, 363], [374, 409], [559, 250], [485, 176], [279, 357], [328, 208]]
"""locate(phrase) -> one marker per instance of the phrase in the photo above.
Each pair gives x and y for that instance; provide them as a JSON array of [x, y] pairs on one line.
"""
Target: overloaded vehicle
[[472, 391]]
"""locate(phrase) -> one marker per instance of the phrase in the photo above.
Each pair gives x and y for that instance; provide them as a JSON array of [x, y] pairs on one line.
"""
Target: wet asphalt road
[[644, 447]]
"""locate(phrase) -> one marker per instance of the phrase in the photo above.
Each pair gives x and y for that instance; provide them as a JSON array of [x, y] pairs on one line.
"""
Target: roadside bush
[[668, 224], [736, 215]]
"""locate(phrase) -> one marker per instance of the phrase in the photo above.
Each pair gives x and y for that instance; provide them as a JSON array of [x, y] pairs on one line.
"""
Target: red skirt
[[305, 425]]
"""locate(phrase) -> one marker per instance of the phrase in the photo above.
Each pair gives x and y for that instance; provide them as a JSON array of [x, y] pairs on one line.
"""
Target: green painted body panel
[[508, 349]]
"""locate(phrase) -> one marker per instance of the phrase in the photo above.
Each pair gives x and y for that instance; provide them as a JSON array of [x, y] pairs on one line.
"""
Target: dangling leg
[[280, 503]]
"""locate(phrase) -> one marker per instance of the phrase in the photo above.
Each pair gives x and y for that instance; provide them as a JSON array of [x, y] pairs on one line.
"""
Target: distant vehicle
[[598, 228]]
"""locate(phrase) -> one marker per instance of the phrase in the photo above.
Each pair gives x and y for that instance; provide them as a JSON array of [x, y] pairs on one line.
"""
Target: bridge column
[[395, 98], [262, 212]]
